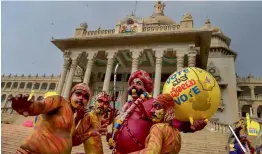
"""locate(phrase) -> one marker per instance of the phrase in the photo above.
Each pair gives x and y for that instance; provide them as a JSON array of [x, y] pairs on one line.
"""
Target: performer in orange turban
[[55, 123], [163, 137]]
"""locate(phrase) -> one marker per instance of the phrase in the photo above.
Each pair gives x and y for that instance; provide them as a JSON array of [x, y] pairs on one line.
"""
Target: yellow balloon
[[196, 94]]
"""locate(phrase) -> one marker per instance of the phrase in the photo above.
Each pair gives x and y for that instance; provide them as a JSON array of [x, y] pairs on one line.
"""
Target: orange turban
[[168, 103]]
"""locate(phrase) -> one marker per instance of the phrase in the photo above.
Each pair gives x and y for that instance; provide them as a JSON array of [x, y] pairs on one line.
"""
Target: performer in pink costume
[[135, 128]]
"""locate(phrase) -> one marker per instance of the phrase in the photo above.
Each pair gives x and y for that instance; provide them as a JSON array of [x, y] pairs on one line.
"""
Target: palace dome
[[158, 19]]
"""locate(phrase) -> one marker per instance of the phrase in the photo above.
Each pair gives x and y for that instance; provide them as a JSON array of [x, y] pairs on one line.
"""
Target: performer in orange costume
[[55, 124], [89, 129], [163, 137]]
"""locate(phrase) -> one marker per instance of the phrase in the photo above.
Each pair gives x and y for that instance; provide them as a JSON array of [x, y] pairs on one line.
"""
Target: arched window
[[2, 85], [15, 85], [29, 86], [36, 86], [52, 86], [245, 109], [44, 86], [3, 97], [22, 85], [8, 85]]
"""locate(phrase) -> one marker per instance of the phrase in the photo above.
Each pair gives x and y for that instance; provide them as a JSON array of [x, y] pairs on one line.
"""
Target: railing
[[100, 32], [249, 80], [161, 28], [148, 28], [217, 127], [257, 97]]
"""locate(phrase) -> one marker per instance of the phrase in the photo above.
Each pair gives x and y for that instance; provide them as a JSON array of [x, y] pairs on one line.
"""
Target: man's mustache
[[80, 103], [139, 91]]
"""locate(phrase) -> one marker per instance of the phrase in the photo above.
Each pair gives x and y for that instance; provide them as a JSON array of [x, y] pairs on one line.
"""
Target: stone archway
[[8, 105], [259, 112], [245, 109], [3, 98]]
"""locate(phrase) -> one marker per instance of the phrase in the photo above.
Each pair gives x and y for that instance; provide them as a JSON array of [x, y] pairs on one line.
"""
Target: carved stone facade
[[156, 44]]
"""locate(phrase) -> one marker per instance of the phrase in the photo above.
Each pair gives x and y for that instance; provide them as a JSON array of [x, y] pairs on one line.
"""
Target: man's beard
[[100, 110]]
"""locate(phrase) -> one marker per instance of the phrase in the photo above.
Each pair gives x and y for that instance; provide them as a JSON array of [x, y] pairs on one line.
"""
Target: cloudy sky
[[27, 29]]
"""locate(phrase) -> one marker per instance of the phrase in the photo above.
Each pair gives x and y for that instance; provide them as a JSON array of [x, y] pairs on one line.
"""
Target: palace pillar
[[180, 61], [158, 54], [109, 67], [135, 59], [89, 65], [254, 108], [63, 75], [252, 91], [192, 56], [70, 77]]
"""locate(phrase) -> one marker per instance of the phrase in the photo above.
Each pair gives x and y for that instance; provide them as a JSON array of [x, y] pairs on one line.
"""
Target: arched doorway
[[259, 112], [245, 109], [8, 105], [3, 97]]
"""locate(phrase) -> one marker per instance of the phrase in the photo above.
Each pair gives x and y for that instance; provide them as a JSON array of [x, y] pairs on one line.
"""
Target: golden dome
[[158, 19], [209, 26]]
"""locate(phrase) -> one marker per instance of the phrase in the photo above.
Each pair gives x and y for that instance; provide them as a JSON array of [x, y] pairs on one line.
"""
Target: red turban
[[144, 77], [80, 86]]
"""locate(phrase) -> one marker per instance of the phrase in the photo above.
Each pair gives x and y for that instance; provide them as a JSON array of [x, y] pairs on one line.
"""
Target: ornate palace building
[[156, 44]]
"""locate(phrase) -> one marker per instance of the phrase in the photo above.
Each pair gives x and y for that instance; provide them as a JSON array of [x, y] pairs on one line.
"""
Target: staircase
[[202, 142]]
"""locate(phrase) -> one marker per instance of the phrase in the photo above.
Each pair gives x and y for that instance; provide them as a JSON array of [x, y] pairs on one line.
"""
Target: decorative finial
[[36, 75], [250, 76], [159, 8], [44, 75], [52, 75], [22, 75], [99, 28], [10, 75], [29, 75], [84, 25], [207, 21], [187, 16]]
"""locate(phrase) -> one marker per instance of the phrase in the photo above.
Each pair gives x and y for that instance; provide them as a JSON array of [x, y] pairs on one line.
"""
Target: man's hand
[[108, 136], [96, 132], [113, 113], [80, 115], [198, 125], [21, 103]]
